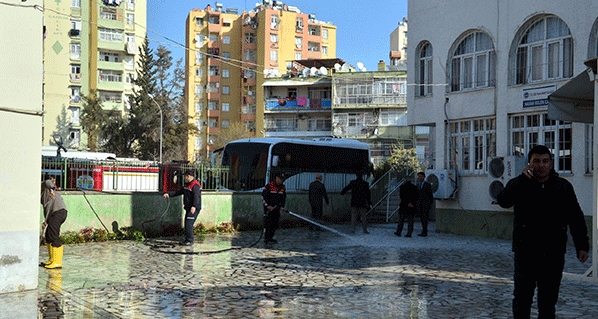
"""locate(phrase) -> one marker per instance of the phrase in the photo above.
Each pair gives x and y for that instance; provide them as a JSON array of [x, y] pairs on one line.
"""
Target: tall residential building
[[88, 45], [230, 57], [398, 47]]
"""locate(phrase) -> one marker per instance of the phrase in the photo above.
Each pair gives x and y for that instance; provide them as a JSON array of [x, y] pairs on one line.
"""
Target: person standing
[[545, 205], [274, 196], [191, 192], [361, 201], [424, 201], [407, 208], [55, 214], [317, 193]]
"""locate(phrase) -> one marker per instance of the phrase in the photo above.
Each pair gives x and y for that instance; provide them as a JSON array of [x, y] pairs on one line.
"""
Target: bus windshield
[[253, 163]]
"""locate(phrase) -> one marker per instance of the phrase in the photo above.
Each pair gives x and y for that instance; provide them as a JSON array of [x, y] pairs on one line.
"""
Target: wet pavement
[[305, 275]]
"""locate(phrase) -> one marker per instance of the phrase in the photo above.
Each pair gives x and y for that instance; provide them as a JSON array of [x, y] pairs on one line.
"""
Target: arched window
[[473, 63], [544, 52], [593, 44], [423, 76]]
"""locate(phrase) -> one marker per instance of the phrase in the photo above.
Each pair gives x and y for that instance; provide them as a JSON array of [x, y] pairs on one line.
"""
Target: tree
[[404, 160], [63, 127], [93, 119]]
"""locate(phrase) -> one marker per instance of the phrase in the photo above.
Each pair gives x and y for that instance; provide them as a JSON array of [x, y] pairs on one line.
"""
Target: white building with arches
[[479, 74]]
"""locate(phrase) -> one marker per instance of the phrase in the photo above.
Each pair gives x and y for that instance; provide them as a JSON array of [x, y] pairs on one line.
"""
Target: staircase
[[386, 200]]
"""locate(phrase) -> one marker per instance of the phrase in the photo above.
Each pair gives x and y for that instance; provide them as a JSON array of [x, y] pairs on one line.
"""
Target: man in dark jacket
[[317, 193], [361, 201], [407, 207], [544, 206], [424, 201], [191, 202], [274, 197]]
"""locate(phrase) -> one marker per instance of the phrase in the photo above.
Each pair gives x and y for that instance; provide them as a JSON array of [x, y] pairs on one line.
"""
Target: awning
[[574, 101]]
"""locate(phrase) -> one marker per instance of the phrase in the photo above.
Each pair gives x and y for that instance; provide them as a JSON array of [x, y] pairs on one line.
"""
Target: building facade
[[88, 45], [481, 84], [232, 55]]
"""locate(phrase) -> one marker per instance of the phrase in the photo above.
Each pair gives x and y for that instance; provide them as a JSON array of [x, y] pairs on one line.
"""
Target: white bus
[[254, 161]]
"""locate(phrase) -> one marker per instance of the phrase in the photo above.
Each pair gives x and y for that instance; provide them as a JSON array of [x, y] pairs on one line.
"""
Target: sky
[[363, 28]]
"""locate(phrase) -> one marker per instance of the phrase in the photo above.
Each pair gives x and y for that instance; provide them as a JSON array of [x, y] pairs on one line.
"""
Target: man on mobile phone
[[545, 205]]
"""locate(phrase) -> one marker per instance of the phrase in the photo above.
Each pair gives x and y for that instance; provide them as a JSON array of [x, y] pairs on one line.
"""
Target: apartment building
[[88, 45], [233, 53], [481, 84]]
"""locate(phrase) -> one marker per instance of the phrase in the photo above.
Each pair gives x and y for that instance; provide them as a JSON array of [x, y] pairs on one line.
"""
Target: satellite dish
[[364, 69], [313, 70], [323, 70], [305, 72], [360, 65], [337, 66], [345, 67]]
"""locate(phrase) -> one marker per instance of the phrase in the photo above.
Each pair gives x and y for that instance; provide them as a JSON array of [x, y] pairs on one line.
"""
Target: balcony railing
[[299, 103]]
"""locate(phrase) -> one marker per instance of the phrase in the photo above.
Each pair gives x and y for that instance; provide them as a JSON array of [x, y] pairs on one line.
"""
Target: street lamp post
[[159, 108]]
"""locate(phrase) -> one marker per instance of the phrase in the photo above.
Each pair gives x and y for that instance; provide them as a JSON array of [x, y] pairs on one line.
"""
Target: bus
[[252, 162]]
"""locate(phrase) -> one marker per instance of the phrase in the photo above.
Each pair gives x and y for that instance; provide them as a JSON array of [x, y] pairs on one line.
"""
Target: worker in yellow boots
[[55, 214]]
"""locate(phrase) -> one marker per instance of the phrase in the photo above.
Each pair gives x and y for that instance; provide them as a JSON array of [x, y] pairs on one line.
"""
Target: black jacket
[[542, 213], [274, 195], [360, 193], [408, 194], [191, 195], [317, 192]]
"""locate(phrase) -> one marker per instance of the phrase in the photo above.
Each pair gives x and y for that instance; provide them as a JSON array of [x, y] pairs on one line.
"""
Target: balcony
[[301, 103]]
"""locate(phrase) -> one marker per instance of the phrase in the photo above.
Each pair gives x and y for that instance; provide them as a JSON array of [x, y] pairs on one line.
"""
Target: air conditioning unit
[[443, 183], [501, 170]]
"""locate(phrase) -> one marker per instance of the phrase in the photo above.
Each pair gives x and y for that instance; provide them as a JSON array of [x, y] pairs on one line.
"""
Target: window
[[130, 38], [225, 73], [199, 21], [529, 130], [225, 89], [75, 3], [199, 40], [250, 55], [75, 72], [324, 49], [225, 123], [212, 105], [214, 71], [214, 37], [589, 148], [76, 51], [274, 55], [274, 38], [298, 24], [198, 72], [473, 63], [226, 55], [130, 4], [226, 39], [75, 111], [226, 22], [198, 142], [129, 62], [108, 96], [280, 125], [249, 125], [129, 78], [225, 107], [274, 22], [198, 58], [314, 30], [545, 52], [198, 124], [75, 28], [249, 74], [75, 94], [108, 13], [111, 35], [74, 138], [298, 43], [423, 75], [471, 142], [324, 33], [213, 87], [110, 76], [393, 118], [214, 19], [313, 46], [198, 108], [107, 56], [130, 18], [319, 124], [212, 122], [298, 55], [198, 91], [250, 38]]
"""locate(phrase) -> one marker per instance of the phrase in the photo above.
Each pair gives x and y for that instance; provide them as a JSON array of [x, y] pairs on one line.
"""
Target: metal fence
[[128, 176]]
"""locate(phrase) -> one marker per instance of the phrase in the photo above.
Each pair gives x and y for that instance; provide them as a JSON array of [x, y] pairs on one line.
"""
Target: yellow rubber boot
[[56, 257], [45, 263]]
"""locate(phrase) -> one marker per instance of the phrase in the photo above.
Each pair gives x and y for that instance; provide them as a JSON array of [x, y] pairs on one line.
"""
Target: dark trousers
[[56, 220], [271, 222], [410, 217], [316, 213], [424, 214], [189, 222], [537, 270]]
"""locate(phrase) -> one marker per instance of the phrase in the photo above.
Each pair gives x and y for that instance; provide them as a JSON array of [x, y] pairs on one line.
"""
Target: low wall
[[150, 212], [493, 224]]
